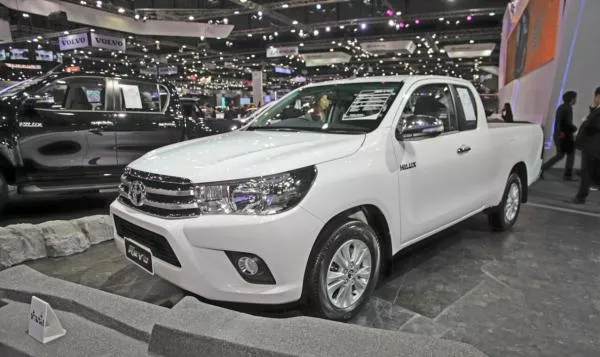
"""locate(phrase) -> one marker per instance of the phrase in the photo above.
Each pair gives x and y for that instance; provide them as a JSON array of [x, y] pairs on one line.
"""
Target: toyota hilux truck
[[311, 200]]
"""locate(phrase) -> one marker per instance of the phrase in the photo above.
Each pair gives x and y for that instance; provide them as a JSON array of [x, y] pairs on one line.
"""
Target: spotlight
[[137, 16], [294, 22], [25, 15], [327, 29], [417, 21], [363, 26], [191, 18], [121, 10], [389, 12], [316, 32], [225, 21], [469, 18], [318, 6]]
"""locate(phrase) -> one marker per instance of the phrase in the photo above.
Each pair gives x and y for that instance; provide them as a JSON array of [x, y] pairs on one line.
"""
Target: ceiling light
[[469, 18], [191, 18], [121, 10], [398, 13], [285, 6], [441, 19], [417, 21], [243, 1], [327, 29], [225, 21], [293, 30], [301, 44], [363, 26], [342, 27], [492, 13], [318, 6], [25, 15], [391, 23], [99, 3], [260, 13], [137, 16], [294, 22], [83, 2], [66, 32], [316, 32], [92, 30], [275, 33], [249, 35]]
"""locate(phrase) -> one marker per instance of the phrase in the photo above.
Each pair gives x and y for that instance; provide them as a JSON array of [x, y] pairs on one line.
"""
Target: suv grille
[[155, 242], [158, 195]]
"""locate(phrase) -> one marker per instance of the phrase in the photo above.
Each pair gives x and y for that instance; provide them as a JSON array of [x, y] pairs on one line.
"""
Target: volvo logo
[[137, 193]]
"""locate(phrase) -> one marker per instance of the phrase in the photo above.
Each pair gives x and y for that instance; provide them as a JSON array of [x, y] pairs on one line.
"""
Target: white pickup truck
[[312, 199]]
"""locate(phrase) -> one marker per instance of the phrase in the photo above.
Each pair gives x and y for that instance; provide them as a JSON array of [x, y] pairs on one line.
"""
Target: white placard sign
[[389, 46], [131, 95], [44, 325], [282, 51], [108, 42], [467, 104]]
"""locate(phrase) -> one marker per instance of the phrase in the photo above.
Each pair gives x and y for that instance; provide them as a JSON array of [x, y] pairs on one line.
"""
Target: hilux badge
[[137, 193]]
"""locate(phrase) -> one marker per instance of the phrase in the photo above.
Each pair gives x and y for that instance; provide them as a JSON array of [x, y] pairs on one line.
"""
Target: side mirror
[[418, 126]]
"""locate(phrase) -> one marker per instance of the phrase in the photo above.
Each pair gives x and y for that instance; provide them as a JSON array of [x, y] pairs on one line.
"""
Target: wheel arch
[[521, 170], [366, 213]]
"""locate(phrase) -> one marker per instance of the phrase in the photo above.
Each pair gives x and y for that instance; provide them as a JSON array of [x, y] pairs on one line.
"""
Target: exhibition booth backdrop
[[549, 47]]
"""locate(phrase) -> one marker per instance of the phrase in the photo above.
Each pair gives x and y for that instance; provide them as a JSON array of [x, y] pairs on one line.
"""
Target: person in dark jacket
[[588, 141], [507, 114], [564, 131]]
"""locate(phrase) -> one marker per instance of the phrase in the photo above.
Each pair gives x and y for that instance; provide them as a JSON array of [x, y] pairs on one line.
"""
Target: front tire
[[343, 273], [505, 215]]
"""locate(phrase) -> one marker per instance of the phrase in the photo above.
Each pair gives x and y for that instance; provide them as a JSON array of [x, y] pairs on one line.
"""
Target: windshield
[[17, 87], [341, 108]]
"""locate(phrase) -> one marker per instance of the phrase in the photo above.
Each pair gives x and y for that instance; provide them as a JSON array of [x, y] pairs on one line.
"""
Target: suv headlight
[[256, 196]]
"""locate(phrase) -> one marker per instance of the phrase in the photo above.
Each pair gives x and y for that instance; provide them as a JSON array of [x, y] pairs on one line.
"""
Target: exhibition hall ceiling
[[326, 38]]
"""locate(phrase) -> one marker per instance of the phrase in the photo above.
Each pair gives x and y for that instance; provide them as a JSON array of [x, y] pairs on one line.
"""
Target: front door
[[143, 121], [431, 169], [55, 133]]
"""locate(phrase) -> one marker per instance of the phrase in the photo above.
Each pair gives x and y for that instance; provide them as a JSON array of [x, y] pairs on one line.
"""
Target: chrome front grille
[[158, 195]]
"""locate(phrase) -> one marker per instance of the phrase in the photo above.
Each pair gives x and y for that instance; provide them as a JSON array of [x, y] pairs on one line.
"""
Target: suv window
[[139, 96], [466, 107], [433, 100], [83, 93]]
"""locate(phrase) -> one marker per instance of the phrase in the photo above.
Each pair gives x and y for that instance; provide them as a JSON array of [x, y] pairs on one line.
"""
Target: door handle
[[463, 149]]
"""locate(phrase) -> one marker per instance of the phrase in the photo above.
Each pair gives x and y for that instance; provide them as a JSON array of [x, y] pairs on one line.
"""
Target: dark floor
[[534, 291]]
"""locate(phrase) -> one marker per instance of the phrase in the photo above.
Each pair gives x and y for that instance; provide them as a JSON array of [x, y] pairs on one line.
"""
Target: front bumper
[[283, 241]]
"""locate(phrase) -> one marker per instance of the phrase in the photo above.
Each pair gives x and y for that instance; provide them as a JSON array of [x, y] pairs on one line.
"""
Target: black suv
[[72, 133]]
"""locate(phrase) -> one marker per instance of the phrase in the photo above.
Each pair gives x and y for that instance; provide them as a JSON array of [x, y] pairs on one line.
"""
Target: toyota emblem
[[137, 193]]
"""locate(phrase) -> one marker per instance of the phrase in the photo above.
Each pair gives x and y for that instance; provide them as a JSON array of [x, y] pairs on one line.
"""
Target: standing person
[[507, 114], [564, 130], [588, 141]]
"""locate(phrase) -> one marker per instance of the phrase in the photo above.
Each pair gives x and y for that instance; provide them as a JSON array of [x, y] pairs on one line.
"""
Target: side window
[[139, 96], [433, 100], [84, 93], [164, 97], [467, 108], [51, 96]]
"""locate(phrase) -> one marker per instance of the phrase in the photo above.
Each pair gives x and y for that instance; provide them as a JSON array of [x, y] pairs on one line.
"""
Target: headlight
[[256, 196]]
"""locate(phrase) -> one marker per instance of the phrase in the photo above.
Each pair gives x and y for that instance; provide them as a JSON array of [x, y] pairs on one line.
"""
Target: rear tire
[[3, 192], [506, 214], [343, 273]]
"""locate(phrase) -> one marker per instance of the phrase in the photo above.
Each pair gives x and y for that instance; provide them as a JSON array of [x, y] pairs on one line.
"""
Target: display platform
[[521, 293]]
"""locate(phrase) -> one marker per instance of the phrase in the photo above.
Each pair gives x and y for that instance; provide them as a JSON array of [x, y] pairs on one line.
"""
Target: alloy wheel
[[349, 273], [513, 200]]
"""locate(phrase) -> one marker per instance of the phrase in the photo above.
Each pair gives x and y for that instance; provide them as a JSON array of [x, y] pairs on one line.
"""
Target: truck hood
[[245, 154]]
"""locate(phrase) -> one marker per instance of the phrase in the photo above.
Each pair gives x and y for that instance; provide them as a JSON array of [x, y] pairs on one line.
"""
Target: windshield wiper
[[273, 128]]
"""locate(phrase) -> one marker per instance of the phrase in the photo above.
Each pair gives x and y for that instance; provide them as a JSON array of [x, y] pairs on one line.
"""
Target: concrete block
[[83, 338], [63, 238], [130, 317], [19, 243], [192, 326], [97, 229]]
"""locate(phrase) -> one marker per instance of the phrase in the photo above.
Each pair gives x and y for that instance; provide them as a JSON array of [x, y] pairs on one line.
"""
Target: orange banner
[[533, 40]]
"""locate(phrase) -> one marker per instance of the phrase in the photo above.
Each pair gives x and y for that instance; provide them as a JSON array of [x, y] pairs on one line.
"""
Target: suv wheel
[[505, 216], [3, 192], [344, 272]]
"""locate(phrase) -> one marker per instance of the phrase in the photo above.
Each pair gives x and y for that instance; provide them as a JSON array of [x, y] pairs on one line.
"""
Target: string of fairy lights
[[219, 59]]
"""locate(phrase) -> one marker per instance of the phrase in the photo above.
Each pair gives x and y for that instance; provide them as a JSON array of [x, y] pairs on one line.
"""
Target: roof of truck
[[384, 79]]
